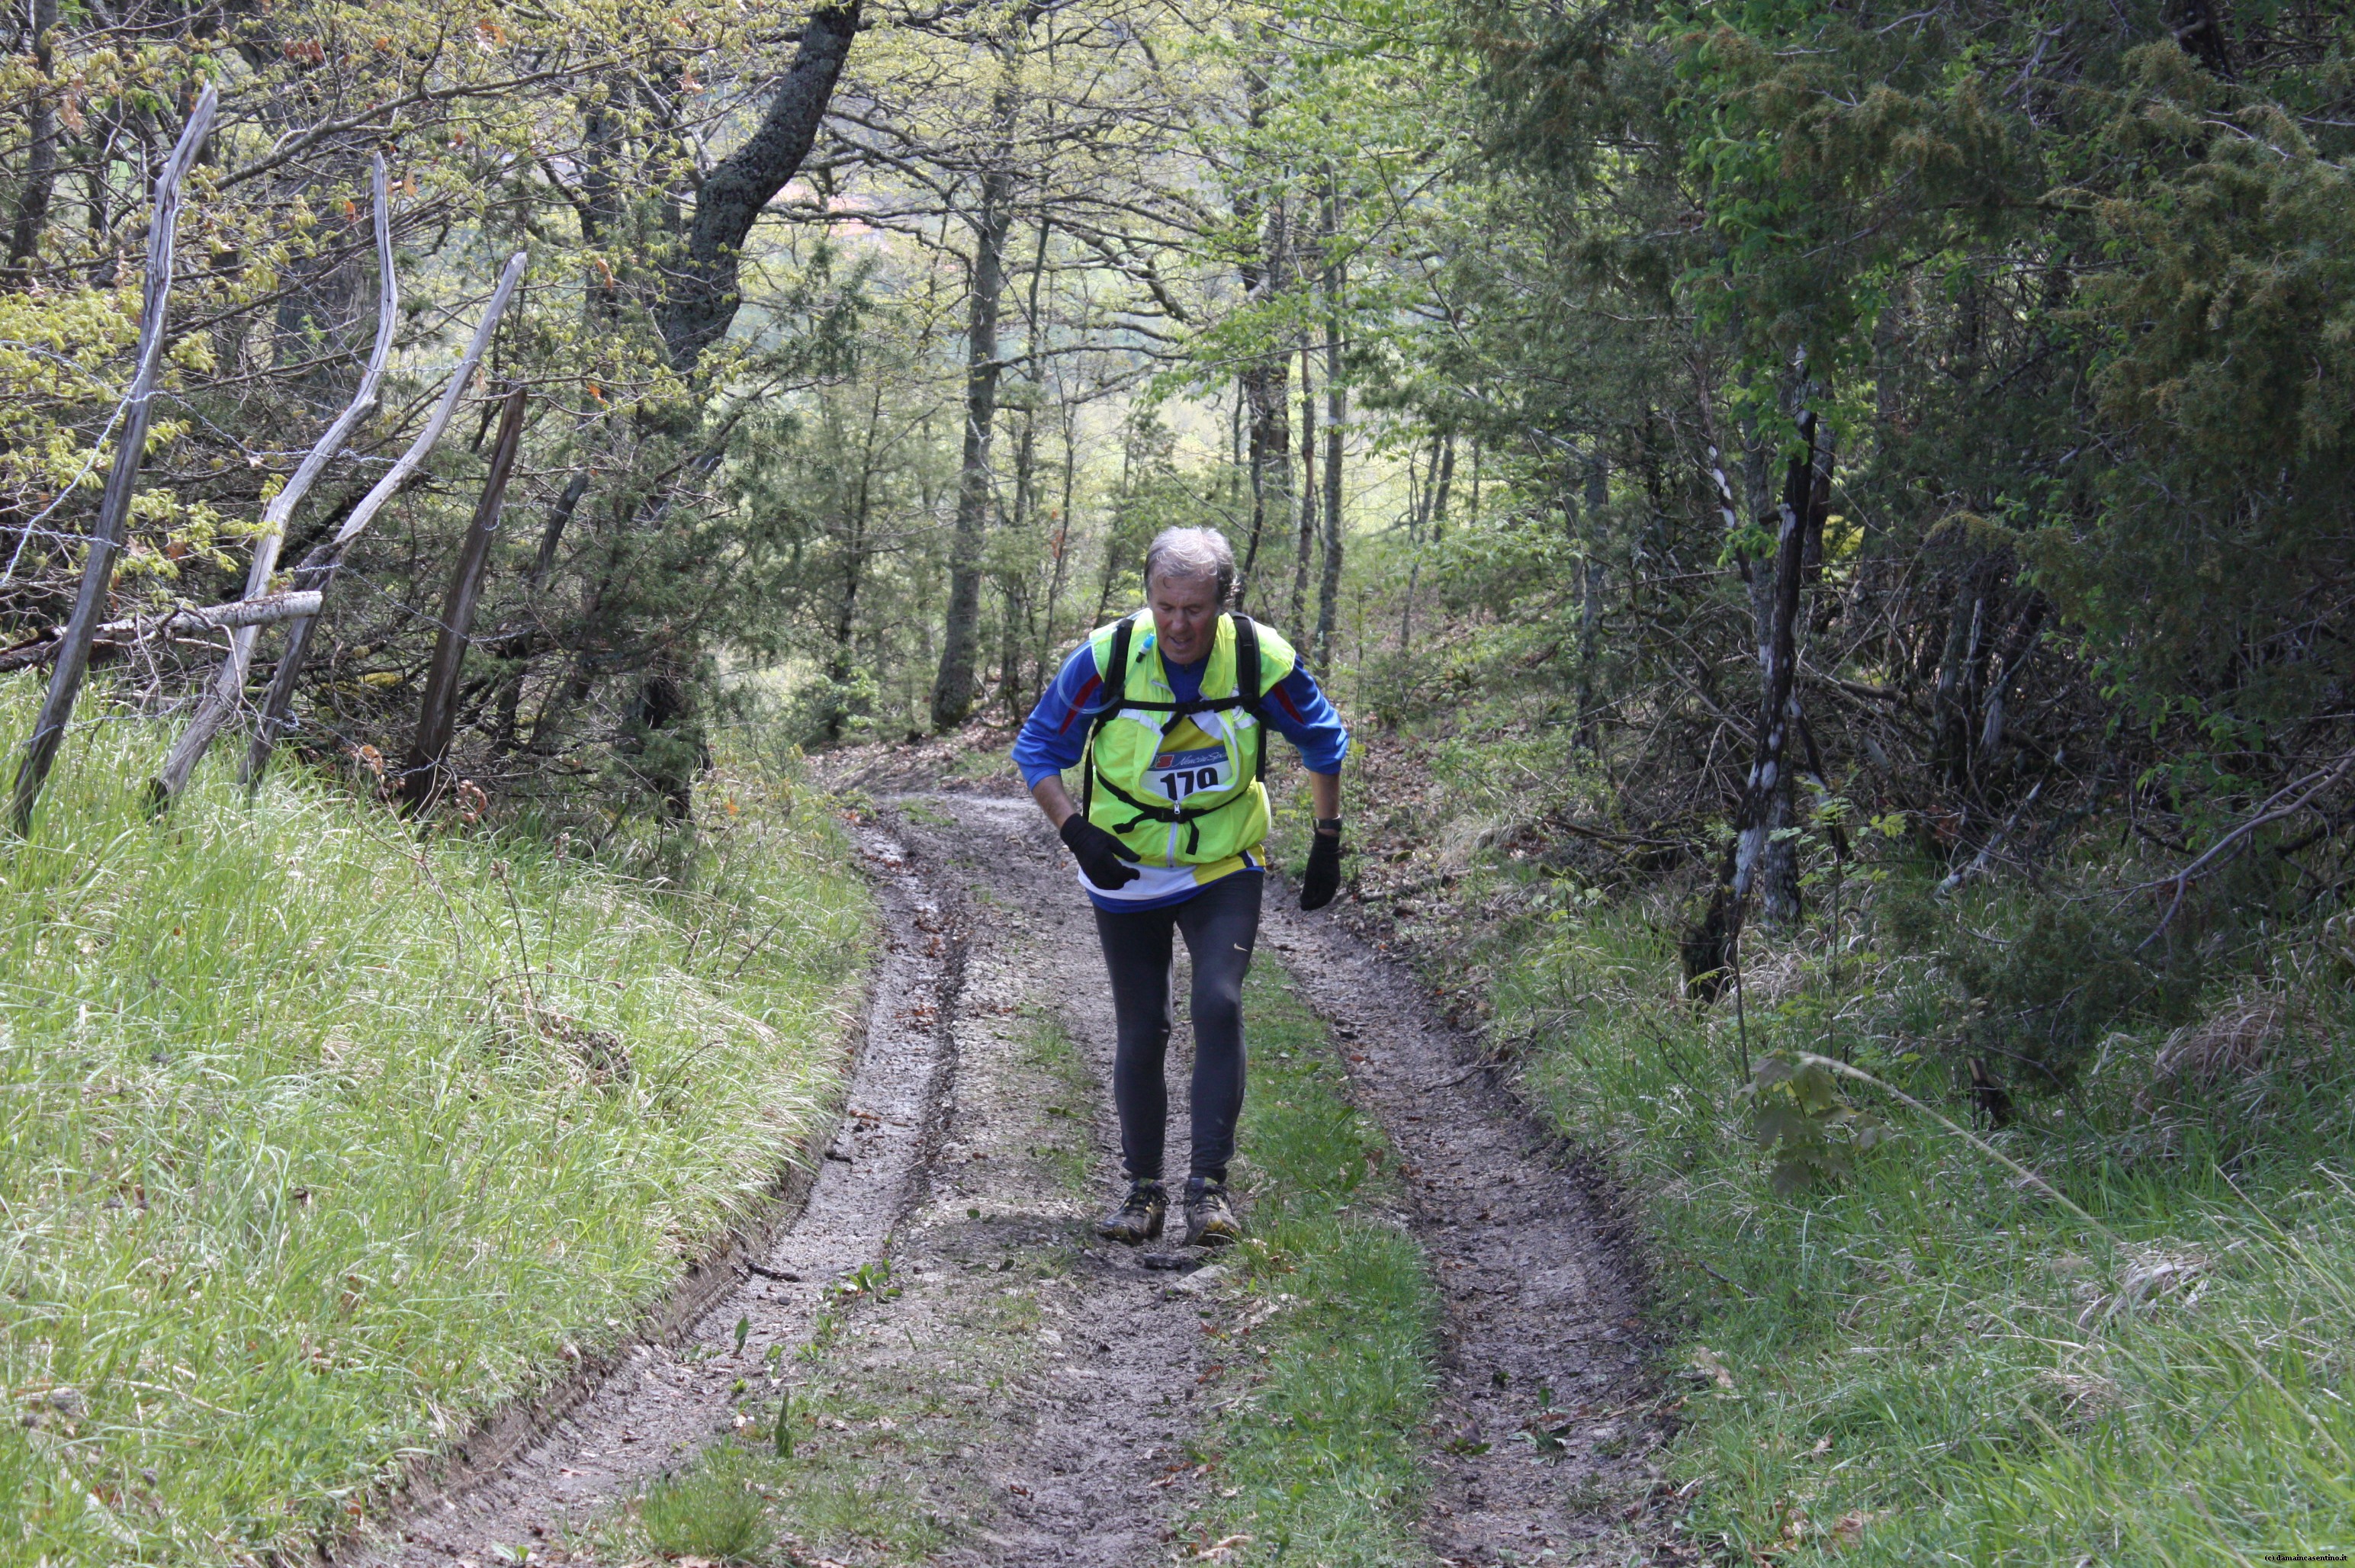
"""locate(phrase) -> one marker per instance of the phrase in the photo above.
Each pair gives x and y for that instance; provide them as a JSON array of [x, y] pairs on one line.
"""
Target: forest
[[1832, 523], [867, 349]]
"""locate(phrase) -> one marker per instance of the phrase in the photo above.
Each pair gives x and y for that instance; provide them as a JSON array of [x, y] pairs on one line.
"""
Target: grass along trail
[[321, 1140], [665, 1401]]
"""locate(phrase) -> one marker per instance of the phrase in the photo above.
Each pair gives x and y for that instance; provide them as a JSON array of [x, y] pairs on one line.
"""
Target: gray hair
[[1190, 555]]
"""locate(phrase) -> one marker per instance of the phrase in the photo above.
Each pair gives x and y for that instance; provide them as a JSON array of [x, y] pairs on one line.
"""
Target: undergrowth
[[1312, 1452], [1917, 1356], [320, 1134]]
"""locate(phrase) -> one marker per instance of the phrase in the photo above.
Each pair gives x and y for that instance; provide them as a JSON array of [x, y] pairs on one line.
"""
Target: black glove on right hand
[[1323, 878], [1103, 859]]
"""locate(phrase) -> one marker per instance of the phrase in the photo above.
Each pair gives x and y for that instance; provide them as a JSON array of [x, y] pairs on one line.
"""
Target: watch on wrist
[[1327, 824]]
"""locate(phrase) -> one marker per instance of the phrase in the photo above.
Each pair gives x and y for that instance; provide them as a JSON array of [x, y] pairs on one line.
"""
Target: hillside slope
[[320, 1136]]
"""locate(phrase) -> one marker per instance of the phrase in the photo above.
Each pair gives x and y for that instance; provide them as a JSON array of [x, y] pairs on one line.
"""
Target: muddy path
[[1078, 1456], [1546, 1429], [1027, 1394]]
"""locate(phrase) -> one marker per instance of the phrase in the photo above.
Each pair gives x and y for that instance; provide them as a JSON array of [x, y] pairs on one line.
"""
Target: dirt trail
[[1098, 1377], [1046, 1385]]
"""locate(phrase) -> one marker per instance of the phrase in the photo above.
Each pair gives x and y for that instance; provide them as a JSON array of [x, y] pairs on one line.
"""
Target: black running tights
[[1220, 923]]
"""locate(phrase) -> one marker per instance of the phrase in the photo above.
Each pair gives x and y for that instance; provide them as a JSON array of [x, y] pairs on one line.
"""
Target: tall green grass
[[319, 1137], [1926, 1362]]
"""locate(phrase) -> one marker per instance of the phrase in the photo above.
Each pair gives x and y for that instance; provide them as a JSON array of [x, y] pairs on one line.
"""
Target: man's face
[[1186, 614]]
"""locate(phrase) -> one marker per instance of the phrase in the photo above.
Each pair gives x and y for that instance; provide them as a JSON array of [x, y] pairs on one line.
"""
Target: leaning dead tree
[[228, 686], [437, 710], [106, 534], [317, 571]]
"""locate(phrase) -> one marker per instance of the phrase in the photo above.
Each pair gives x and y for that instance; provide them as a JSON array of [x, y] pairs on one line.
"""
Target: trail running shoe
[[1138, 1218], [1209, 1221]]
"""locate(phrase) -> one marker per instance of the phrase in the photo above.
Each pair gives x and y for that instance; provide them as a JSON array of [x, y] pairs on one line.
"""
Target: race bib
[[1181, 774]]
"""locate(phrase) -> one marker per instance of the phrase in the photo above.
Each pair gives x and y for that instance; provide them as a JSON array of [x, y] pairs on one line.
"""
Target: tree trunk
[[1013, 594], [1263, 380], [543, 561], [953, 690], [843, 661], [702, 300], [1061, 545], [1590, 596], [1418, 505], [1021, 603], [1708, 946], [1766, 804], [41, 176], [1307, 542], [1426, 520], [437, 711], [1336, 413]]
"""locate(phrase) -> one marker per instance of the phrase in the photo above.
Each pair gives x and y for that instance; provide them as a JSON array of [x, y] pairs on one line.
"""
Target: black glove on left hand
[[1323, 878]]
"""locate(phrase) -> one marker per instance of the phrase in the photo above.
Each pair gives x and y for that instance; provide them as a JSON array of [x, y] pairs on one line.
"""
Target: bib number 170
[[1183, 773]]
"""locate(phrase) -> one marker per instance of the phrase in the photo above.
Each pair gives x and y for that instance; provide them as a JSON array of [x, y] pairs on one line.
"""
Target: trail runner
[[1168, 720]]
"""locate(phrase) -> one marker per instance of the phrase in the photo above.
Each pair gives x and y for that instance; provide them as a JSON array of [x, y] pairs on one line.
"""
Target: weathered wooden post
[[228, 688], [437, 714], [114, 508], [317, 571]]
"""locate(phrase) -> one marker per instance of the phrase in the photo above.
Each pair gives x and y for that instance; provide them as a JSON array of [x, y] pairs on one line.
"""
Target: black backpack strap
[[1247, 674], [1115, 687]]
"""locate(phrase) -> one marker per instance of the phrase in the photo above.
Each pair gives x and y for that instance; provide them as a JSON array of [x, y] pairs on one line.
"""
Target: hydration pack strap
[[1115, 678]]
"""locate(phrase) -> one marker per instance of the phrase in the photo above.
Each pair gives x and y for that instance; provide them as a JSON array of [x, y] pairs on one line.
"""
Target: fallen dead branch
[[318, 568], [183, 621], [2278, 805], [107, 533]]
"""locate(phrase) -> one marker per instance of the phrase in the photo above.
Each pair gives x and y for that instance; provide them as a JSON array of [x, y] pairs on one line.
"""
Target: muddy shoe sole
[[1212, 1225], [1131, 1235]]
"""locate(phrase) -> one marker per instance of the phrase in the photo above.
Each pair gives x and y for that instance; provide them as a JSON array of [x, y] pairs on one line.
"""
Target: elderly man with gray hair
[[1167, 712]]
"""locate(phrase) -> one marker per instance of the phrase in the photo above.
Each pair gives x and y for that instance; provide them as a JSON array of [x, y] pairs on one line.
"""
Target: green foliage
[[2226, 361], [1924, 1360], [1798, 1115], [2050, 989]]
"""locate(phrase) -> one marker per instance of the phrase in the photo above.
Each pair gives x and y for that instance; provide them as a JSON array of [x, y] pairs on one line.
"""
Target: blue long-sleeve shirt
[[1056, 734]]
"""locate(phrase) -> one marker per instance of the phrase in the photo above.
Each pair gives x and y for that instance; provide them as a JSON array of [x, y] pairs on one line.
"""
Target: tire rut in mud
[[1547, 1425], [1078, 1458]]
